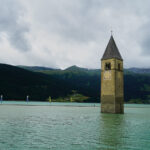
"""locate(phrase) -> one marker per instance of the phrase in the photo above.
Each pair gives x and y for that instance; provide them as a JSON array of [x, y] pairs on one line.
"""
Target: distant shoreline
[[32, 101], [63, 104]]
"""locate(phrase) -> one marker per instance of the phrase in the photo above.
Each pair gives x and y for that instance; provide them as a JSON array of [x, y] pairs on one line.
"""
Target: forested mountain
[[76, 68], [140, 70], [16, 83], [37, 68], [41, 82]]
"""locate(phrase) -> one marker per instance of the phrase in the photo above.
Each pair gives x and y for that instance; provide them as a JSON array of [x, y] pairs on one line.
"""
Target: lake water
[[71, 126]]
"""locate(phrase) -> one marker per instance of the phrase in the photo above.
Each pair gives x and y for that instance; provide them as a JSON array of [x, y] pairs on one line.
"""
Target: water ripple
[[73, 128]]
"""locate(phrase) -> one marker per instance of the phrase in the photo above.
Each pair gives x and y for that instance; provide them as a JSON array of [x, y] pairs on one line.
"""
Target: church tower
[[112, 93]]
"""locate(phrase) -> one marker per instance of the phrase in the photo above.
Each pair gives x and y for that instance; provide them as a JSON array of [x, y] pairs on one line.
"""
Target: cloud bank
[[73, 32]]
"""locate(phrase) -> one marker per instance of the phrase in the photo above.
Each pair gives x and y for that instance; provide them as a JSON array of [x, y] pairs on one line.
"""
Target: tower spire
[[111, 50]]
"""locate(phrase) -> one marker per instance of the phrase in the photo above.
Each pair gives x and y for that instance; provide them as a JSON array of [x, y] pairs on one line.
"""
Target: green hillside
[[63, 85], [87, 82], [16, 83]]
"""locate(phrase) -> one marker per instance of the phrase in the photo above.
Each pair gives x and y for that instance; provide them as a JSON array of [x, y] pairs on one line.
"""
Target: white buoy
[[27, 98]]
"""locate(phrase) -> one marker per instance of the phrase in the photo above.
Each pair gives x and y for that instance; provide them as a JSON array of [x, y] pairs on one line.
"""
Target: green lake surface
[[72, 126]]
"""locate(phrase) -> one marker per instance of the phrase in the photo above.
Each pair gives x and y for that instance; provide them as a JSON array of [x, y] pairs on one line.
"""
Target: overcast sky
[[62, 33]]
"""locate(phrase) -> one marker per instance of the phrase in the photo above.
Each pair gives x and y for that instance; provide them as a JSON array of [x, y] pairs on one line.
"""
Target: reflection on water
[[128, 131], [112, 130], [73, 128]]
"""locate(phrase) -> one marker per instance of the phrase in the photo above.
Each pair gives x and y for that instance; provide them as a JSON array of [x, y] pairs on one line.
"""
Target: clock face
[[107, 75]]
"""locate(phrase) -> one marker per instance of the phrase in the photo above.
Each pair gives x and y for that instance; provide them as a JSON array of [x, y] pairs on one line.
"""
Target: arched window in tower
[[119, 66], [108, 66]]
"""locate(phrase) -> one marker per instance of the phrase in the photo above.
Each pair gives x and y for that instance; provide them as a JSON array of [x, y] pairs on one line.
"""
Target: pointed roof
[[111, 50]]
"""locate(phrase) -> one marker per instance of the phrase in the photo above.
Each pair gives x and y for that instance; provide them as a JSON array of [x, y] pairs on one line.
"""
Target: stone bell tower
[[112, 93]]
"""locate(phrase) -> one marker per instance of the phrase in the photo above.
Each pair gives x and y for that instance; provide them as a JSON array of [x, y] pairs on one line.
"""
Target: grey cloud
[[73, 20], [145, 43], [144, 34], [12, 24], [80, 22], [83, 20], [75, 31]]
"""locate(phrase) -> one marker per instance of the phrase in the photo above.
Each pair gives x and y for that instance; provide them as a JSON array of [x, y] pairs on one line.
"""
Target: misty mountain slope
[[16, 83], [87, 81]]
